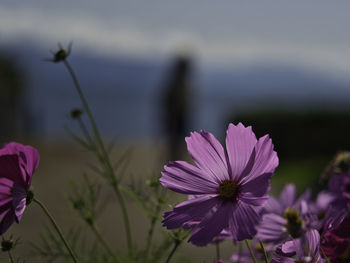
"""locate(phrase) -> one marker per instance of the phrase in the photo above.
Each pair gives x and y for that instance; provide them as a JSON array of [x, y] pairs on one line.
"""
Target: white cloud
[[137, 37]]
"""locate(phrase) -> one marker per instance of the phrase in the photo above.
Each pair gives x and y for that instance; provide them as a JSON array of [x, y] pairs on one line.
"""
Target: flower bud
[[6, 245], [76, 113]]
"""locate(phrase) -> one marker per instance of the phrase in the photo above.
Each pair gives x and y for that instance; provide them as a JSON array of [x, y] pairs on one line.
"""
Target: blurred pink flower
[[17, 165]]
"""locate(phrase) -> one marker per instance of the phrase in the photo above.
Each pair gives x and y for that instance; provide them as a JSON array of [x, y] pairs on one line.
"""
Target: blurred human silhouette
[[176, 103], [11, 91]]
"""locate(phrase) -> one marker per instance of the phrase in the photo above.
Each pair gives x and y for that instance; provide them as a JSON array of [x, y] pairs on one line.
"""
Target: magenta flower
[[229, 185], [339, 185], [285, 219], [304, 249], [17, 165], [336, 243]]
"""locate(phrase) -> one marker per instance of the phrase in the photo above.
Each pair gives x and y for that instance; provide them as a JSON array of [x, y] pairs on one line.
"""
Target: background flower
[[284, 218], [17, 165]]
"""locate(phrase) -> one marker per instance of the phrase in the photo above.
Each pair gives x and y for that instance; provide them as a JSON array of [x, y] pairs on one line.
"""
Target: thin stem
[[151, 230], [125, 216], [53, 222], [88, 112], [176, 245], [84, 101], [239, 251], [86, 132], [103, 242], [217, 245], [250, 251], [149, 236], [109, 167], [263, 248], [324, 255], [10, 257]]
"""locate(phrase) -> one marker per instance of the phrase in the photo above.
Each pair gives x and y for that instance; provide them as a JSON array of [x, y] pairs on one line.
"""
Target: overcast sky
[[313, 34]]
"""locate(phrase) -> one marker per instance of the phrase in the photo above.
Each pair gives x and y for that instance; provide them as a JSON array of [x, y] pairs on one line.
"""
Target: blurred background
[[154, 71]]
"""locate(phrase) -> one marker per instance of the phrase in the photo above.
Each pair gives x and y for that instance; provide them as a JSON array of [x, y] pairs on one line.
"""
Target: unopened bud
[[152, 182], [60, 55], [76, 113], [6, 245]]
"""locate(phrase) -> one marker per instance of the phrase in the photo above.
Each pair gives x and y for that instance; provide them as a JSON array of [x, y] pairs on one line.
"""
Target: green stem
[[109, 167], [240, 248], [125, 216], [176, 245], [324, 255], [217, 245], [151, 230], [103, 242], [250, 251], [86, 133], [149, 237], [10, 257], [53, 222], [263, 248]]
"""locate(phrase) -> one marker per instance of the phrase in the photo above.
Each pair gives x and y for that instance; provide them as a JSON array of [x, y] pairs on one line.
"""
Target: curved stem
[[263, 248], [240, 248], [109, 167], [176, 245], [324, 255], [217, 245], [125, 216], [103, 242], [250, 251], [86, 133], [58, 230], [10, 257], [151, 230]]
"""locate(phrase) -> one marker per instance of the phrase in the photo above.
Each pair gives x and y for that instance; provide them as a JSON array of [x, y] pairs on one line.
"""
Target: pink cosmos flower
[[229, 185], [285, 218], [336, 243], [17, 165], [303, 249]]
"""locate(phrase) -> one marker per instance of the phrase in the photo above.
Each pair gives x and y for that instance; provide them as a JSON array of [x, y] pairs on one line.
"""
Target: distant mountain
[[125, 92]]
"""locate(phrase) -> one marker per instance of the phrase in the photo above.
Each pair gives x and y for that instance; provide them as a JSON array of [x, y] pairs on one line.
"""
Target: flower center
[[294, 222], [228, 189]]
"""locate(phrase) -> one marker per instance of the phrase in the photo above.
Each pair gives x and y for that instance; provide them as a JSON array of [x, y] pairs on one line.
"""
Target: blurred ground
[[65, 161]]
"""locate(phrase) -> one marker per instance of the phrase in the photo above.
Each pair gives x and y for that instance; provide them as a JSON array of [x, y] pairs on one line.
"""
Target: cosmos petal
[[19, 195], [185, 178], [5, 206], [255, 191], [272, 228], [5, 186], [17, 164], [273, 206], [265, 160], [28, 157], [9, 167], [32, 156], [287, 196], [240, 142], [208, 154], [191, 210], [7, 221], [212, 225], [243, 222], [313, 240]]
